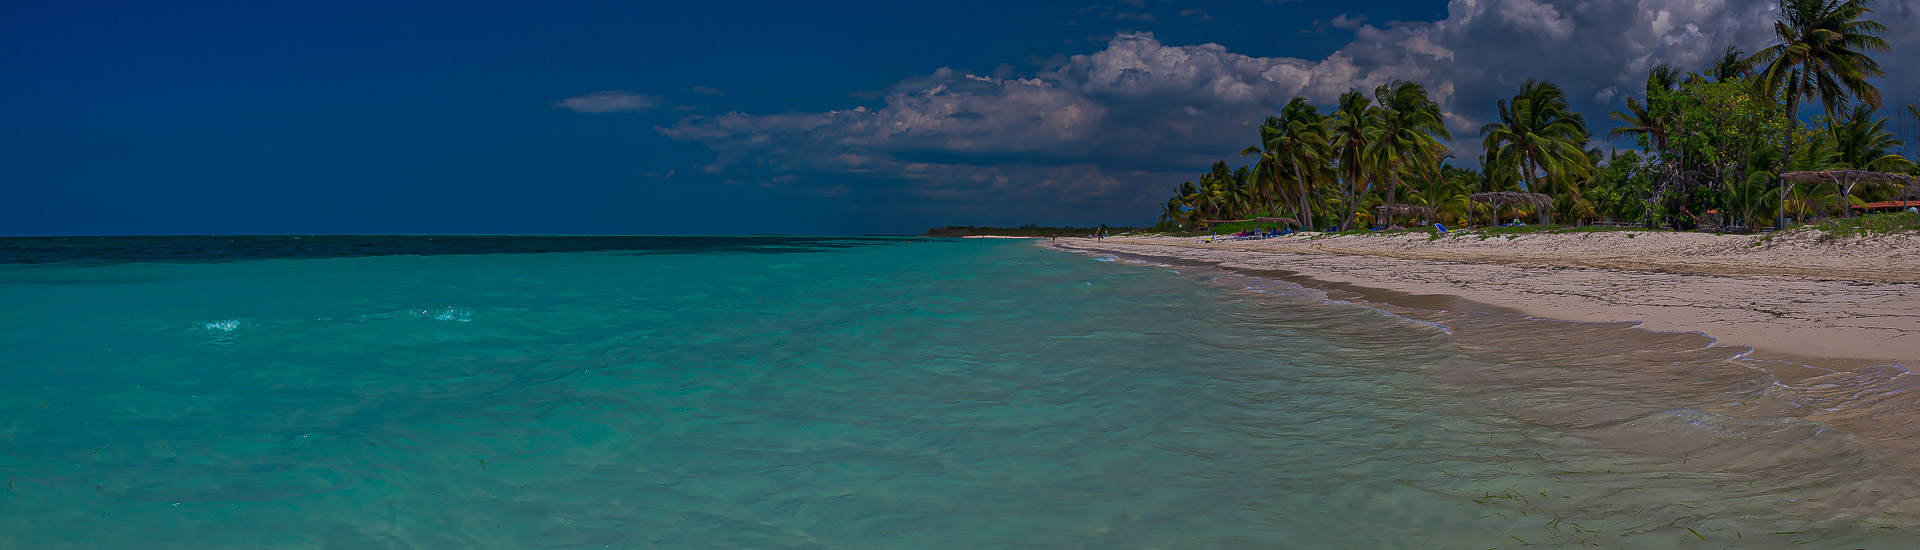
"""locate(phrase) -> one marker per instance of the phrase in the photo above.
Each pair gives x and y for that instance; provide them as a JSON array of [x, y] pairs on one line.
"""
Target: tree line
[[1711, 145]]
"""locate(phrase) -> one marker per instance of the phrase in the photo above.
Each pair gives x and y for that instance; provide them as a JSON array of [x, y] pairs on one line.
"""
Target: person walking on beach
[[1100, 234]]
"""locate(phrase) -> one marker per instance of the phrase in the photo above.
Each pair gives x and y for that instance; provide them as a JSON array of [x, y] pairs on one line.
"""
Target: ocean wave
[[454, 314]]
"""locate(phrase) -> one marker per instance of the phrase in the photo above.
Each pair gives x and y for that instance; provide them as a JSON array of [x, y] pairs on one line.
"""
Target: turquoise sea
[[776, 392]]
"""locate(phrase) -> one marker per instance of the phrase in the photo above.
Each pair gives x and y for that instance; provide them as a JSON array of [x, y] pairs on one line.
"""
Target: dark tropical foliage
[[1708, 150]]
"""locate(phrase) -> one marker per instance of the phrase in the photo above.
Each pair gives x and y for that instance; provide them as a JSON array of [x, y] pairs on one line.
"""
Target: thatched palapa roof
[[1854, 176], [1509, 197]]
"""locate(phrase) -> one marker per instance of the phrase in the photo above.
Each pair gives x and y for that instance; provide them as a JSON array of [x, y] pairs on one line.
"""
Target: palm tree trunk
[[1303, 209], [1786, 154], [1306, 205], [1846, 210], [1433, 201], [1346, 204], [1353, 195], [1533, 186], [1393, 184]]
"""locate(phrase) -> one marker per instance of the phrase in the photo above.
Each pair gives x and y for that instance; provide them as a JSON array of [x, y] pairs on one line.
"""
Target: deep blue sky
[[407, 117]]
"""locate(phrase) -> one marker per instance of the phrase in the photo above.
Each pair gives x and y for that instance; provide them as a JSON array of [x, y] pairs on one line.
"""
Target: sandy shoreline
[[1838, 305]]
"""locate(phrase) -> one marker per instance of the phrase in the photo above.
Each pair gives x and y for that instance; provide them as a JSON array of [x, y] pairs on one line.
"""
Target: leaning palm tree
[[1822, 55], [1408, 121], [1540, 135], [1173, 211], [1308, 151], [1355, 126], [1194, 197], [1269, 171]]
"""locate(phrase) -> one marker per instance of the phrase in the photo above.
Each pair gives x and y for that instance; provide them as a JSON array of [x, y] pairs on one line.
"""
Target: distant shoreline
[[1838, 305]]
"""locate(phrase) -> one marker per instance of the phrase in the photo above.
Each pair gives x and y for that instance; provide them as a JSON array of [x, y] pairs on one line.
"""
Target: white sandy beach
[[1837, 303]]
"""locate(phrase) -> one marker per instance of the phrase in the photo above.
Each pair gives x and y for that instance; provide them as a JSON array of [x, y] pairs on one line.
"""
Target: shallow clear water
[[801, 393]]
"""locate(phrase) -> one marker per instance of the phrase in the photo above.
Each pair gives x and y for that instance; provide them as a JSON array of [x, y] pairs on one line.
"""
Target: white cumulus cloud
[[1124, 123]]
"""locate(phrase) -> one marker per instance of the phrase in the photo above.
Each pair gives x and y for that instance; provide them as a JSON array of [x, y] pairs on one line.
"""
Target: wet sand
[[1656, 362], [1834, 305]]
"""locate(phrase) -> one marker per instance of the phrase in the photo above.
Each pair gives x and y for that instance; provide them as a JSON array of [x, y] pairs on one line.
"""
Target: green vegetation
[[1712, 146], [1516, 231], [1891, 222]]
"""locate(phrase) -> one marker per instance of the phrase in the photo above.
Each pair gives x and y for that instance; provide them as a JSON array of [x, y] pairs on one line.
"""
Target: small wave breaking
[[453, 314]]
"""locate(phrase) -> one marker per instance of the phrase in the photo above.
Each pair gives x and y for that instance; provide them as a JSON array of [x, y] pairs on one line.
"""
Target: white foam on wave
[[1106, 258], [455, 314], [228, 325], [1440, 327]]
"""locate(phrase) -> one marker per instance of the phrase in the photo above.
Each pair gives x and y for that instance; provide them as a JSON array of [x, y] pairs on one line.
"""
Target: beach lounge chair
[[1441, 228]]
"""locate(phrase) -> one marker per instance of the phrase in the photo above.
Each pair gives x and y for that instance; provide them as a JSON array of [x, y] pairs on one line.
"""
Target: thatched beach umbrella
[[1540, 203], [1844, 180]]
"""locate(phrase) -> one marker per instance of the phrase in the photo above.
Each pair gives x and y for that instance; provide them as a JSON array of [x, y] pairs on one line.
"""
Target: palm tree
[[1664, 77], [1433, 163], [1173, 210], [1307, 149], [1225, 192], [1822, 55], [1355, 125], [1214, 192], [1450, 194], [1270, 172], [1246, 195], [1408, 122], [1639, 120], [1863, 142], [1542, 136], [1818, 151], [1292, 149], [1732, 64], [1747, 198], [1194, 197]]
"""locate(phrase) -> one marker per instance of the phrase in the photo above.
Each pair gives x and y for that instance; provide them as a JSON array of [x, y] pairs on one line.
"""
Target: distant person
[[1100, 234]]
